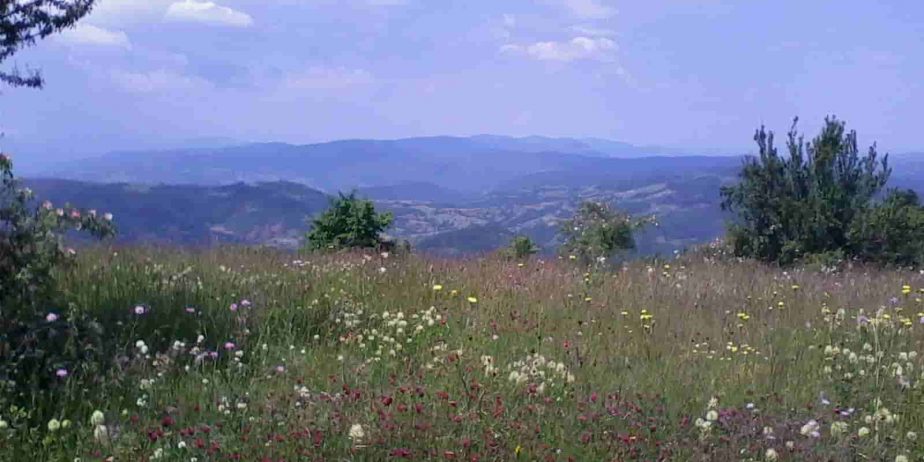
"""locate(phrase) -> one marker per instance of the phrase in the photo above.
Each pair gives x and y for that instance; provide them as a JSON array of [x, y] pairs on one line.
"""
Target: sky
[[695, 74]]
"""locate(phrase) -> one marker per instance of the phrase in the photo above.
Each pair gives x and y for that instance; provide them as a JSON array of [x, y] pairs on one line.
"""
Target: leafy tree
[[23, 22], [892, 232], [790, 207], [350, 222], [522, 247], [597, 231]]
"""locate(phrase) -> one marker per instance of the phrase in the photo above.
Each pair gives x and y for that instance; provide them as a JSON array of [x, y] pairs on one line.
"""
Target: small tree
[[803, 204], [23, 22], [522, 247], [350, 222], [597, 231]]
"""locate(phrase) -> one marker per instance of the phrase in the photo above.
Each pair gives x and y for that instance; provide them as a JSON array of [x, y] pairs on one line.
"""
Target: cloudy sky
[[691, 73]]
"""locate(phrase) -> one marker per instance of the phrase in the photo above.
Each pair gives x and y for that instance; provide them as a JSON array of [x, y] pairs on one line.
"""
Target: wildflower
[[771, 455], [4, 424], [472, 300], [437, 287], [911, 436], [107, 216], [229, 346], [139, 310], [101, 434], [97, 418], [810, 429], [838, 428], [61, 373], [712, 415], [901, 458], [54, 425], [517, 450], [233, 307], [357, 433], [65, 424], [863, 432], [51, 317]]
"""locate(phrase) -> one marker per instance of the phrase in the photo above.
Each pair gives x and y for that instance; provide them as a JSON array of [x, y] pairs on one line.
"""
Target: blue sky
[[688, 73]]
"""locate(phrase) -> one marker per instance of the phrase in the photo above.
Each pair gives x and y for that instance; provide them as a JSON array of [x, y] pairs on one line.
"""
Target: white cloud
[[208, 13], [327, 78], [87, 34], [589, 9], [591, 31], [157, 81], [578, 48]]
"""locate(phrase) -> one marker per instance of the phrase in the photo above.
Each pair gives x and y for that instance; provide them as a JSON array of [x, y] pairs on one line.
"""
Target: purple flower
[[213, 354], [229, 346], [140, 310], [894, 300], [190, 310], [61, 373], [233, 307], [245, 303], [51, 317]]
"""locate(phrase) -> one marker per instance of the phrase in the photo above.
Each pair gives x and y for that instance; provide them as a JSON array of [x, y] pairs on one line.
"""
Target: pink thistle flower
[[230, 346], [61, 373], [140, 309], [233, 307], [51, 317]]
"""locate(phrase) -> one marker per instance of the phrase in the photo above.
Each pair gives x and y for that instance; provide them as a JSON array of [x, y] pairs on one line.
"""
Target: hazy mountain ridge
[[450, 195]]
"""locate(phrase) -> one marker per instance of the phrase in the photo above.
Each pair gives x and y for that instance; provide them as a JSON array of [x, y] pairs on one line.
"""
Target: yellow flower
[[795, 287], [906, 289], [437, 287], [517, 450], [587, 299], [472, 299], [453, 292]]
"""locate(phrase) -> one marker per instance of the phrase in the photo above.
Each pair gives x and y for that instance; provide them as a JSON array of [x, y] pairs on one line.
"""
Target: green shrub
[[597, 232], [350, 222], [891, 232], [38, 342], [806, 203], [522, 247]]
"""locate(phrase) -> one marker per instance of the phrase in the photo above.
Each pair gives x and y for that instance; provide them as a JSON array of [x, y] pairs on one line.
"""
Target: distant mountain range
[[449, 195]]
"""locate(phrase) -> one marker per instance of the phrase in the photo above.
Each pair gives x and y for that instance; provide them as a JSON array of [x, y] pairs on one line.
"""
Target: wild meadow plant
[[246, 354]]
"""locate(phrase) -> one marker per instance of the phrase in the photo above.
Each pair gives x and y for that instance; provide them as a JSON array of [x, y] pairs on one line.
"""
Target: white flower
[[712, 415], [97, 418], [838, 428], [357, 433], [54, 425], [810, 429], [771, 455], [863, 432], [901, 458]]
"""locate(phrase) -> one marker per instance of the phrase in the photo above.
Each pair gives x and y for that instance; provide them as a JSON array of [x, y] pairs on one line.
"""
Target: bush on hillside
[[522, 247], [35, 341], [597, 232], [349, 223], [819, 200], [892, 232]]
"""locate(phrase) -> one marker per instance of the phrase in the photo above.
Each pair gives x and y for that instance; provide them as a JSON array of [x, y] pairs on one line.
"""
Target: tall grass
[[243, 354]]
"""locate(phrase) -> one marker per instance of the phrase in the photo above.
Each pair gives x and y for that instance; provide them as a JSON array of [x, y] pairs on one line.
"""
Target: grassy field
[[241, 354]]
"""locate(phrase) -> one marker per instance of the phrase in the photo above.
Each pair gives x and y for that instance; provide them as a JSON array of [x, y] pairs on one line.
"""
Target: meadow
[[259, 355]]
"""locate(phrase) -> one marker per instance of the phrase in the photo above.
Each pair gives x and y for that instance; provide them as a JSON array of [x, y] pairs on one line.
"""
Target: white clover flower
[[97, 418], [357, 433], [863, 432], [771, 455], [712, 415], [54, 425]]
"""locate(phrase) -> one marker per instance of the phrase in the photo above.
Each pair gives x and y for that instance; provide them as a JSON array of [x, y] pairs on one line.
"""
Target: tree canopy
[[23, 22]]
